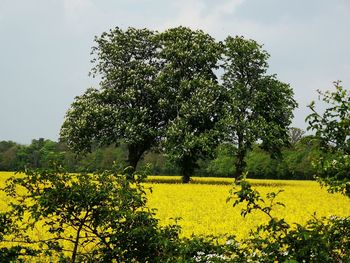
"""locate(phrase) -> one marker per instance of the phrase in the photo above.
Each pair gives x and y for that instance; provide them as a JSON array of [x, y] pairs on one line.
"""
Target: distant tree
[[8, 155], [295, 135], [260, 106], [50, 154], [194, 97], [34, 154], [5, 145], [127, 107], [221, 165], [332, 128], [41, 153]]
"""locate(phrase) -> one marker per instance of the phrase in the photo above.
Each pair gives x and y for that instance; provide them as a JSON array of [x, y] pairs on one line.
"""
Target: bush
[[96, 217], [319, 240]]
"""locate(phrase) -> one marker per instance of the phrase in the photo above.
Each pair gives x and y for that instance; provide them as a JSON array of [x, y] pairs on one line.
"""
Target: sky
[[45, 48]]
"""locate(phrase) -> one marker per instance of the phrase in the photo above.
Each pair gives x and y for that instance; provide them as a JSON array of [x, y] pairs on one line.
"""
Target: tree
[[332, 128], [8, 153], [194, 98], [295, 135], [259, 106], [221, 165], [127, 107]]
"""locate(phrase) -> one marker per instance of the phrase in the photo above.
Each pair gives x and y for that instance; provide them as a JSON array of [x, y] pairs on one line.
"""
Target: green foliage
[[259, 106], [188, 76], [127, 107], [152, 89], [7, 254], [159, 164], [193, 134], [40, 153], [334, 173], [103, 217], [295, 135], [261, 165], [91, 217], [333, 130], [8, 155], [103, 158], [333, 126], [296, 162], [320, 240], [222, 164], [152, 96]]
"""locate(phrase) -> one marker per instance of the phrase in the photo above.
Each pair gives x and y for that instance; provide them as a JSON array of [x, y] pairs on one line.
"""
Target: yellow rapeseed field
[[203, 208]]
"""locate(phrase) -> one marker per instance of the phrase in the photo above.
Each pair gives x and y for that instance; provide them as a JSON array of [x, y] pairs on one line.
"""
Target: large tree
[[155, 87], [128, 105], [259, 106], [162, 87], [194, 97]]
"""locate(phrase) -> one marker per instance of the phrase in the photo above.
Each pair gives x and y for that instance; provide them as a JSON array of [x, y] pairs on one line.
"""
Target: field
[[203, 208]]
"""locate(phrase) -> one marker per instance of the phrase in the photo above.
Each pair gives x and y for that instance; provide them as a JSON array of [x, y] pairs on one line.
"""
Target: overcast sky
[[45, 48]]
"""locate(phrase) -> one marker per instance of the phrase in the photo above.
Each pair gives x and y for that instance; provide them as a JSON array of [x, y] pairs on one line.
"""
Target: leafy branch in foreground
[[86, 217], [103, 217], [332, 128], [253, 200], [14, 252], [319, 240]]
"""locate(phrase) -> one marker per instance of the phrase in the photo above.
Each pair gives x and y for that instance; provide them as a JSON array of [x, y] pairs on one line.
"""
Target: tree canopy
[[162, 90], [259, 107], [195, 98], [128, 106]]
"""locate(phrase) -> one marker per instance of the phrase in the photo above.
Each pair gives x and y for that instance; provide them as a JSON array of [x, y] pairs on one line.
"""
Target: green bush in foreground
[[319, 240], [332, 127], [90, 218]]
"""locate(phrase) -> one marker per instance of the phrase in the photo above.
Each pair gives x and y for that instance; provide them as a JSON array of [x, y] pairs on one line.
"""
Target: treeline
[[43, 153], [295, 162]]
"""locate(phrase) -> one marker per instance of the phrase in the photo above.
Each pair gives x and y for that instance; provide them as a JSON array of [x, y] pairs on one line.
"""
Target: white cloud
[[197, 14]]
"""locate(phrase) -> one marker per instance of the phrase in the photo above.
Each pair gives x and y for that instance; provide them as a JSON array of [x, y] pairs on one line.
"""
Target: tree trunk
[[240, 163], [134, 155], [186, 177], [187, 169]]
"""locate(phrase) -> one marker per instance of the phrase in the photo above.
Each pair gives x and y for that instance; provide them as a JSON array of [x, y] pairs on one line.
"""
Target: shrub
[[90, 217]]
